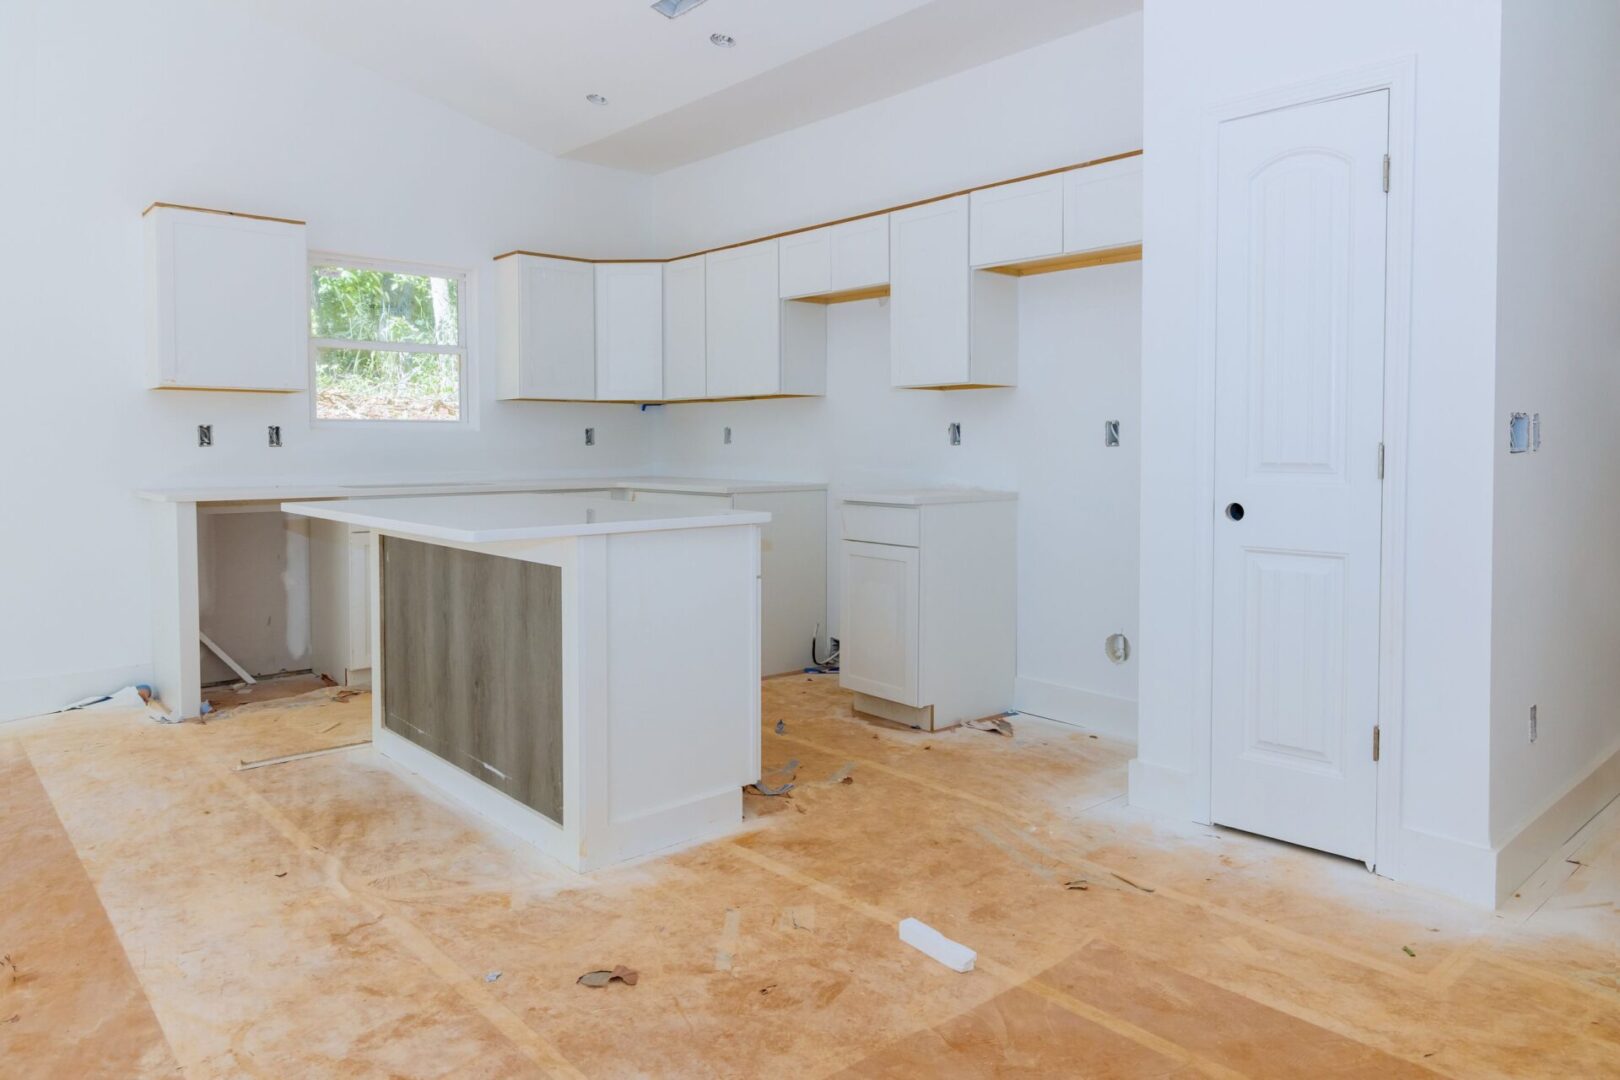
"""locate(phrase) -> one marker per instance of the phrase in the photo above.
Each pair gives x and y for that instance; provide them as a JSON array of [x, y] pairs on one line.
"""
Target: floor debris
[[492, 976], [842, 776], [600, 978], [1133, 884], [1080, 884], [997, 725], [781, 727], [930, 942], [763, 786], [797, 918], [727, 945], [1407, 949]]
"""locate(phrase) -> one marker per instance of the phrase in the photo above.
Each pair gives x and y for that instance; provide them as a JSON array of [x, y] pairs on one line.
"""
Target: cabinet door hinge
[[1375, 742], [1386, 174], [1380, 461]]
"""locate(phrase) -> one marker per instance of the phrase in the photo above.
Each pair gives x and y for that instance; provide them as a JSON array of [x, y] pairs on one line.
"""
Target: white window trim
[[467, 418]]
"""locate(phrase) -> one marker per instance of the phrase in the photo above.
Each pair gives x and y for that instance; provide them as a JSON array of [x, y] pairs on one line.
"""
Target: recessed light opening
[[725, 41], [596, 99]]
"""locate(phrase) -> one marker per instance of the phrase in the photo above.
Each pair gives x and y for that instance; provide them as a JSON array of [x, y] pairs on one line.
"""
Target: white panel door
[[744, 322], [1298, 422], [557, 354], [928, 293], [629, 331], [1014, 222], [1102, 206], [804, 262], [879, 634], [685, 347], [860, 253]]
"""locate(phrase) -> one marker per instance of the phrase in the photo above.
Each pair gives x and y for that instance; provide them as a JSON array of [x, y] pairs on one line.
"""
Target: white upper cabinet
[[547, 334], [835, 259], [1017, 222], [227, 301], [685, 345], [949, 325], [805, 260], [1102, 206], [629, 331], [860, 253]]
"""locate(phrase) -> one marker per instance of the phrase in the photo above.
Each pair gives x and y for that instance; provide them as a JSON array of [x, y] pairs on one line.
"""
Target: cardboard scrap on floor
[[996, 725], [598, 979]]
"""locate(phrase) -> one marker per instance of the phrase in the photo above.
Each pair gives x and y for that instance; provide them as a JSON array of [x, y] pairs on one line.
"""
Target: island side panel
[[472, 648]]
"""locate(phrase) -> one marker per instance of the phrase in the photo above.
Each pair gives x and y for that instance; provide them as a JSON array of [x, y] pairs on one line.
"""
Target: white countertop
[[484, 518], [340, 489], [928, 496]]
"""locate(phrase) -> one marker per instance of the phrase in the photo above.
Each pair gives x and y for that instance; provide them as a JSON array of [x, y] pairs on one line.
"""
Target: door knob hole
[[1234, 511]]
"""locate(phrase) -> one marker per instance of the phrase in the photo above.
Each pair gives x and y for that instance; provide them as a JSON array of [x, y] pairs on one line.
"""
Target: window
[[388, 342]]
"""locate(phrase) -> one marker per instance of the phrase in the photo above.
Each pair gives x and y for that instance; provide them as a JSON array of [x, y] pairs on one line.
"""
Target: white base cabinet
[[227, 301], [340, 602], [793, 567], [928, 615]]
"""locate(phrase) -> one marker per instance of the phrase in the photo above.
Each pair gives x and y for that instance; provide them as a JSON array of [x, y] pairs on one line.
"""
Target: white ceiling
[[525, 66]]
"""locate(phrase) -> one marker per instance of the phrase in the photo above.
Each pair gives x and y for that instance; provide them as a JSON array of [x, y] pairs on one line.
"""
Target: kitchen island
[[583, 671]]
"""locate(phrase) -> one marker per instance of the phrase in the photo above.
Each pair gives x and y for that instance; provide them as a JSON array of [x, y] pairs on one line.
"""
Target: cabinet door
[[860, 253], [557, 345], [744, 322], [685, 348], [1102, 206], [805, 261], [879, 629], [1018, 222], [928, 293], [629, 331], [229, 296]]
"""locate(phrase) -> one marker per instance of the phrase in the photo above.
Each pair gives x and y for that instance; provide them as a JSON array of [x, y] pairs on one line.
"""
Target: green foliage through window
[[375, 308]]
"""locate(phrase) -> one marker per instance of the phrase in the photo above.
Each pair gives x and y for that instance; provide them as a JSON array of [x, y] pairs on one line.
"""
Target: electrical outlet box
[[1533, 710], [954, 433], [1110, 432], [275, 435], [726, 436], [1518, 433], [590, 436], [205, 434]]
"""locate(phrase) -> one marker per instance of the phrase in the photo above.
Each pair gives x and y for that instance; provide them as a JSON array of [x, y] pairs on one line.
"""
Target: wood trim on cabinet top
[[1075, 261], [226, 213], [842, 220]]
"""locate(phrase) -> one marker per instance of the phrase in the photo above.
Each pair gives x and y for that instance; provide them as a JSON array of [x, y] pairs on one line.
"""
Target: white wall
[[106, 106], [1198, 56], [1556, 576], [1070, 100]]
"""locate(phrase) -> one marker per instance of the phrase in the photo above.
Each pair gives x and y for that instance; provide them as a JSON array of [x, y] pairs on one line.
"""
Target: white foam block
[[926, 939]]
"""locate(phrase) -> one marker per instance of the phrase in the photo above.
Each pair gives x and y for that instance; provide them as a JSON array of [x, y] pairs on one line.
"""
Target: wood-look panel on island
[[473, 647]]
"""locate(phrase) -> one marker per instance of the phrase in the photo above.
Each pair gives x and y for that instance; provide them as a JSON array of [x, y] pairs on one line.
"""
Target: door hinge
[[1380, 461], [1375, 742], [1386, 174]]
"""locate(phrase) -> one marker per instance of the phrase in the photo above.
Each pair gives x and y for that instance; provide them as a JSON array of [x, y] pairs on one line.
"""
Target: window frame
[[466, 418]]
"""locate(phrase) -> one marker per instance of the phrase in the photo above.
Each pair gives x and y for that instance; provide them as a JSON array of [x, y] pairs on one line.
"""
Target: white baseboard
[[1442, 864], [38, 694], [1522, 854], [1163, 790], [1110, 716]]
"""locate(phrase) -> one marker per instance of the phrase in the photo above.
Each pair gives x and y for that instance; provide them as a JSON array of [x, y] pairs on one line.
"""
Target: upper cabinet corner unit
[[546, 308], [227, 300]]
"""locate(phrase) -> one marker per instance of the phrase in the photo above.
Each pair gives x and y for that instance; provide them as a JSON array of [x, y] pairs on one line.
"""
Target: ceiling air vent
[[671, 8]]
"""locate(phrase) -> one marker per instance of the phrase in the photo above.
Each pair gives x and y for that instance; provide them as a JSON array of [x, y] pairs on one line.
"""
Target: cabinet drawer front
[[882, 524]]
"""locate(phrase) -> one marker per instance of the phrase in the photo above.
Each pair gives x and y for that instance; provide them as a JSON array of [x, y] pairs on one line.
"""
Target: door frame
[[1398, 77]]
